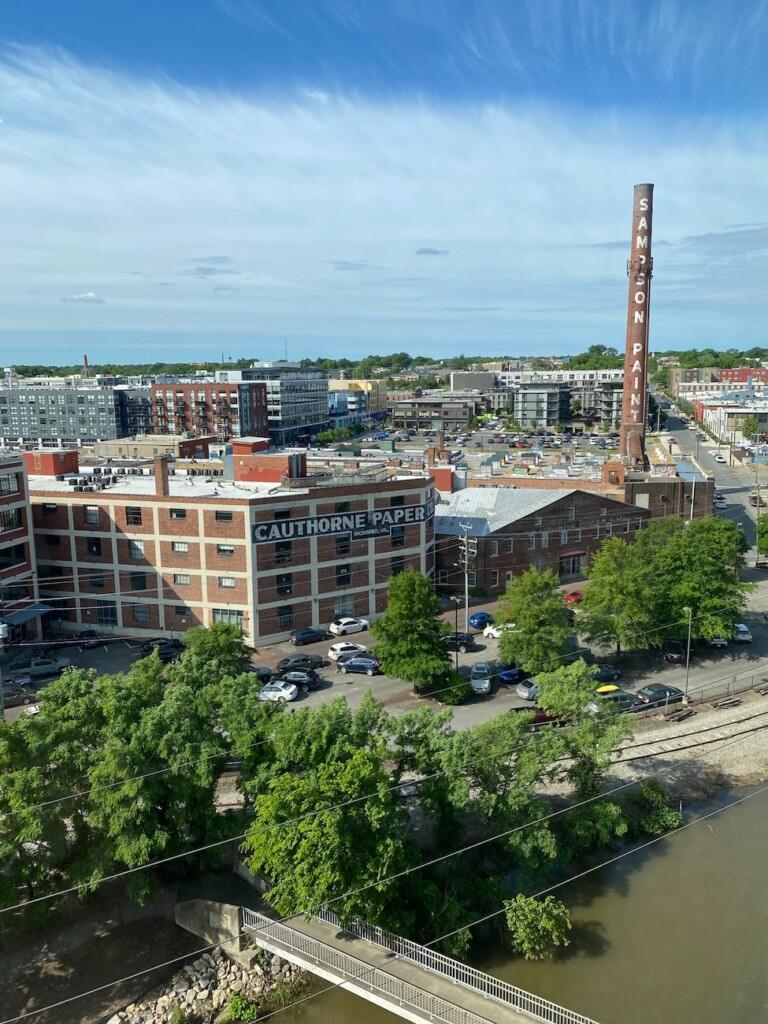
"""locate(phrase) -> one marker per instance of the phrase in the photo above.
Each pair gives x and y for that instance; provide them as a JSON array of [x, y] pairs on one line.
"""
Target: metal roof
[[488, 509]]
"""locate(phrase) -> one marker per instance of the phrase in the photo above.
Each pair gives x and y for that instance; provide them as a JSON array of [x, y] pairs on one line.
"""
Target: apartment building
[[147, 550], [297, 399], [69, 411], [226, 410], [435, 413], [19, 607], [365, 397]]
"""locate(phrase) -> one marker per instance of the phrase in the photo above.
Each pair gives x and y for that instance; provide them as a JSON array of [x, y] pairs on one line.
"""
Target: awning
[[32, 611], [572, 554]]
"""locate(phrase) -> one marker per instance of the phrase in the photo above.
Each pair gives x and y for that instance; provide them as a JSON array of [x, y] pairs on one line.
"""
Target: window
[[493, 549], [53, 539], [397, 500], [577, 535], [494, 577], [181, 579], [284, 584], [227, 581], [141, 613], [178, 513], [537, 521], [10, 520], [285, 616], [572, 512], [225, 550], [342, 506], [9, 483], [603, 512], [138, 581], [283, 513], [181, 611], [544, 539], [343, 605], [136, 550], [510, 545], [343, 575], [397, 565], [106, 613], [223, 517], [91, 514], [442, 575], [283, 551], [531, 541], [133, 515], [97, 580], [563, 536], [49, 508], [509, 576], [343, 544], [472, 579], [597, 532], [397, 536], [180, 547], [230, 615]]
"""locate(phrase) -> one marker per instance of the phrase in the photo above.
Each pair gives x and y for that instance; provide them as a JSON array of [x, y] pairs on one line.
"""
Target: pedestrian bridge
[[412, 981]]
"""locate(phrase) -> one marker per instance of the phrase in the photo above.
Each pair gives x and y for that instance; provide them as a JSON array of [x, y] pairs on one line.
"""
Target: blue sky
[[183, 178]]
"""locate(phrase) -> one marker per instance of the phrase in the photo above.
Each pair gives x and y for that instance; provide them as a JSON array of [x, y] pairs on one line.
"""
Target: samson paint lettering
[[639, 270]]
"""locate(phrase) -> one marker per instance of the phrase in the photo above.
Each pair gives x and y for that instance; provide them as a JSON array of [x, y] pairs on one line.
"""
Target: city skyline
[[340, 178]]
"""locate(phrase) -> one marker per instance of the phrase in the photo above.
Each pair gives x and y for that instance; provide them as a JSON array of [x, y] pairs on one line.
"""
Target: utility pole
[[468, 550], [4, 633], [757, 514], [689, 610]]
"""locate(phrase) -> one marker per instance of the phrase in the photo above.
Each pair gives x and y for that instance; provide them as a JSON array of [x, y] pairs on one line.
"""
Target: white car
[[340, 627], [279, 691], [494, 631], [342, 649], [719, 458], [742, 634], [721, 503]]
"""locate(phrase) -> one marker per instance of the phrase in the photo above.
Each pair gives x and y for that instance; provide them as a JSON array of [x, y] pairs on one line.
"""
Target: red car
[[575, 597]]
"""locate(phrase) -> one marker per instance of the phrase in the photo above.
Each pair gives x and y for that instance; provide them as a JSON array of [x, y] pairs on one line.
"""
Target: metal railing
[[461, 973], [344, 966]]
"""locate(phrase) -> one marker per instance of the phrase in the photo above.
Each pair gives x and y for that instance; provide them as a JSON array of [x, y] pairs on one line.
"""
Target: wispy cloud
[[104, 172], [88, 298]]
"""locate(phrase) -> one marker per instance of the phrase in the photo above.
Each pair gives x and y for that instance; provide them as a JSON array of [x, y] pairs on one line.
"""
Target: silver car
[[480, 678], [279, 691], [528, 689]]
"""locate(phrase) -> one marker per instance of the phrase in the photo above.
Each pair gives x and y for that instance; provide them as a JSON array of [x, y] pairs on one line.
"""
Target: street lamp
[[689, 613], [456, 602]]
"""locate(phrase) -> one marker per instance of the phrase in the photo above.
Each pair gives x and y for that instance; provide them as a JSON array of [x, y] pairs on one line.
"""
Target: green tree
[[533, 604], [618, 604], [762, 533], [750, 428], [408, 634], [537, 928]]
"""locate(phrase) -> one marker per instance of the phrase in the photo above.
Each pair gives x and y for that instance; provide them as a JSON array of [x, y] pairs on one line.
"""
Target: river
[[674, 934]]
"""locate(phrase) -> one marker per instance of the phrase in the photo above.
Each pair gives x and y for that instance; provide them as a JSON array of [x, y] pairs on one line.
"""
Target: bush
[[478, 592], [178, 1017], [451, 689], [649, 810], [537, 927], [243, 1009]]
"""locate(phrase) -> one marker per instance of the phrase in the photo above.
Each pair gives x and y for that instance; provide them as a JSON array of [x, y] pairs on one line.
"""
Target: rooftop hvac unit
[[72, 483], [78, 487], [60, 476]]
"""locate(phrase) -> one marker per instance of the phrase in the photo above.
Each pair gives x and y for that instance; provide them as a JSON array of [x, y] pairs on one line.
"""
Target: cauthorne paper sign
[[376, 523]]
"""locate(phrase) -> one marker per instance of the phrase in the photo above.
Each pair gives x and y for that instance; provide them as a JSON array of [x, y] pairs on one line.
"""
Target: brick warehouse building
[[513, 530], [226, 410], [18, 585], [150, 550]]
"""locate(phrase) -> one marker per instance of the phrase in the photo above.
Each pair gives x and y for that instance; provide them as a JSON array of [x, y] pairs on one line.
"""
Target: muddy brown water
[[673, 934]]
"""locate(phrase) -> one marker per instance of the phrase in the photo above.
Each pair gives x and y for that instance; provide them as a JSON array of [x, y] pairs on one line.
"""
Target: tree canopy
[[536, 609]]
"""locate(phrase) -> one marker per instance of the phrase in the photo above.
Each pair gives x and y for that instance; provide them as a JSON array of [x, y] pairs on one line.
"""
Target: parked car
[[345, 649], [360, 663], [742, 634], [509, 674], [461, 642], [719, 458], [40, 667], [262, 672], [615, 699], [304, 679], [673, 651], [720, 504], [89, 638], [605, 673], [340, 627], [308, 635], [15, 695], [718, 641], [575, 597], [656, 694], [756, 502], [480, 678], [479, 620], [162, 641], [528, 689], [494, 631], [279, 691], [299, 663], [717, 495]]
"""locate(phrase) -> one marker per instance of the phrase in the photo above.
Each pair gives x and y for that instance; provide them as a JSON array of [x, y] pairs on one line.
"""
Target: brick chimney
[[162, 489]]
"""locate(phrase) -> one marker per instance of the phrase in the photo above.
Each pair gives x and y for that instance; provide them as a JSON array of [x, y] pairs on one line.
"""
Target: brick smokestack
[[162, 489], [634, 410]]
